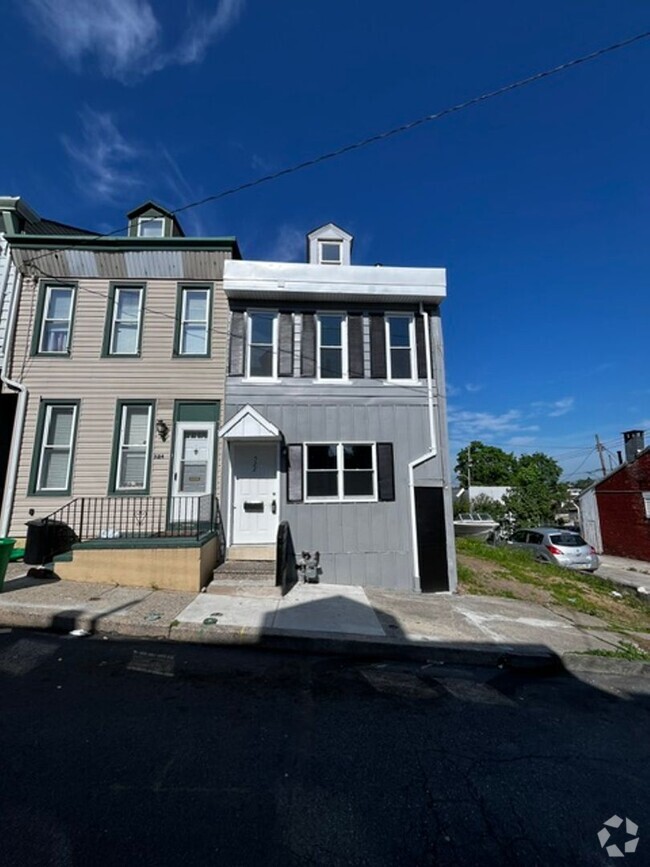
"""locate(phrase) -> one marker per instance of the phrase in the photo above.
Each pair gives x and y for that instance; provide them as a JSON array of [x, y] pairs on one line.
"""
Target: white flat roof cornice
[[247, 279]]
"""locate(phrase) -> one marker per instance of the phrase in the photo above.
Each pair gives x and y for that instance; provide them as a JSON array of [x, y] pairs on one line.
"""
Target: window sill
[[65, 354], [311, 500]]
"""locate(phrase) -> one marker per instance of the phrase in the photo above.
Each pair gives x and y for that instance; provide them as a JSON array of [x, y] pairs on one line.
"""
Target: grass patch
[[512, 573], [626, 650]]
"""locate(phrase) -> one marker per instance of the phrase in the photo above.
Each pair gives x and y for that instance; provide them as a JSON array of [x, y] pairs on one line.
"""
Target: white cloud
[[183, 193], [555, 408], [104, 158], [466, 424], [520, 441], [473, 387], [124, 36], [288, 246], [206, 29]]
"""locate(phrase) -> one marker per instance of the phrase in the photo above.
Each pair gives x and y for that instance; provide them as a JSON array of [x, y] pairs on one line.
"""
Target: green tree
[[536, 490], [490, 465]]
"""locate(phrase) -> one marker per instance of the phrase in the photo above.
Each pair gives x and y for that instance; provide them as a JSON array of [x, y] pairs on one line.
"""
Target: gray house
[[334, 418]]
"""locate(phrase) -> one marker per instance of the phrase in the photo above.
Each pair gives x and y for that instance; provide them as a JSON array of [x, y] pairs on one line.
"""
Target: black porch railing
[[141, 517]]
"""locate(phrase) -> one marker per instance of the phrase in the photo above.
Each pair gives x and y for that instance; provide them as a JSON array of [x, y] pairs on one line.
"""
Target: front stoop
[[245, 577], [251, 553]]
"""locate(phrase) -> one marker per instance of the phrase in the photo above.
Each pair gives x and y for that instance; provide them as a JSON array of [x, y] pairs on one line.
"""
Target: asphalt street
[[125, 753]]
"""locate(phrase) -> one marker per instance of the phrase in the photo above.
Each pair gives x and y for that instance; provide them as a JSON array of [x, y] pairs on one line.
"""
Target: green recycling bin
[[6, 547]]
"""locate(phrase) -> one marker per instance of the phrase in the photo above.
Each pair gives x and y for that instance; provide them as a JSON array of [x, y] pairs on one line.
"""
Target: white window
[[340, 471], [262, 355], [330, 252], [646, 503], [57, 319], [332, 346], [126, 321], [151, 227], [400, 345], [133, 447], [55, 459], [194, 325]]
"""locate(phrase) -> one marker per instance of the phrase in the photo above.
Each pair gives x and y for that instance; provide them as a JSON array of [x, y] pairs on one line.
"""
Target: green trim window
[[55, 441], [126, 320], [56, 320], [193, 337], [133, 448]]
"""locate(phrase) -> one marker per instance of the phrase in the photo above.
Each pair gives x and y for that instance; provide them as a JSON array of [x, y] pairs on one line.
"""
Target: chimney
[[634, 444]]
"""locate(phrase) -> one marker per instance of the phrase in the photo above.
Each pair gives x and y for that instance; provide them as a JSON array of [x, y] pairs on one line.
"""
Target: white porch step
[[251, 552]]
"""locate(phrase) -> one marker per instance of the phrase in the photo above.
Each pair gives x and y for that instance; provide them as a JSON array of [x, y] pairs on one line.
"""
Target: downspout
[[431, 452], [21, 408]]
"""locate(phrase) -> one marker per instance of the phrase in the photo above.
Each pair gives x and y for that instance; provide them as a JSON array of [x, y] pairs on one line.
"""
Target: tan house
[[118, 354]]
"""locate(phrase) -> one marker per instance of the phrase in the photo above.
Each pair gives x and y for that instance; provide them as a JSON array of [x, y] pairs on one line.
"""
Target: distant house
[[118, 351], [16, 218], [334, 418], [615, 511]]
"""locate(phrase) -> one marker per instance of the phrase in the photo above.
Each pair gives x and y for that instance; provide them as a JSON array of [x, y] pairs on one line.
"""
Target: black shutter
[[421, 347], [308, 345], [237, 343], [385, 472], [355, 347], [377, 346], [285, 349], [294, 474]]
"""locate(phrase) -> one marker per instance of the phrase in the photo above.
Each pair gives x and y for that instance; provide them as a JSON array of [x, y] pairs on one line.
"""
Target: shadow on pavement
[[191, 754]]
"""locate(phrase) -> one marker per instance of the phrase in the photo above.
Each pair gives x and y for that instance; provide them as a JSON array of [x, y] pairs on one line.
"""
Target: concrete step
[[251, 552], [245, 578]]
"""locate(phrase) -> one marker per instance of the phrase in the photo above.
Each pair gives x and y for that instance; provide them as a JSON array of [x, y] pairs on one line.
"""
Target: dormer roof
[[151, 210]]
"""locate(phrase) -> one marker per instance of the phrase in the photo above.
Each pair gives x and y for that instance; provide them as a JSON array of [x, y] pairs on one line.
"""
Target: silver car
[[562, 547]]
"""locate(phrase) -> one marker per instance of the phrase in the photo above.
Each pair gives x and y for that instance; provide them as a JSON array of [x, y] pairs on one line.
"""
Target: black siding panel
[[237, 323], [385, 472], [421, 347], [294, 473], [377, 346], [355, 347], [308, 345], [285, 360], [432, 539]]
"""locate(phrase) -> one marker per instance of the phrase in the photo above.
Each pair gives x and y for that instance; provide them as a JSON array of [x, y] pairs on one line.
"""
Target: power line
[[382, 136]]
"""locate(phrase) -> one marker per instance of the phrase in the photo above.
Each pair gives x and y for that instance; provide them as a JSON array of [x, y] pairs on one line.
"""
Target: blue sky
[[537, 203]]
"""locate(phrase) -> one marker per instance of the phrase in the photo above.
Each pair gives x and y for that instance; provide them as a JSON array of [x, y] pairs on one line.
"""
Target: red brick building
[[615, 511]]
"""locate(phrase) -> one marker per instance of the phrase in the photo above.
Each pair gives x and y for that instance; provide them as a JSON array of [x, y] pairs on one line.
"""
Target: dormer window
[[329, 252], [329, 245], [151, 227]]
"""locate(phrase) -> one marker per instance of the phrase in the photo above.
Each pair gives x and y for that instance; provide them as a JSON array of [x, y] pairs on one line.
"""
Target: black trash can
[[46, 539]]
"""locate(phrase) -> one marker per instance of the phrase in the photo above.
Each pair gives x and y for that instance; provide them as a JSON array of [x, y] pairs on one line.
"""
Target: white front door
[[255, 492], [193, 468]]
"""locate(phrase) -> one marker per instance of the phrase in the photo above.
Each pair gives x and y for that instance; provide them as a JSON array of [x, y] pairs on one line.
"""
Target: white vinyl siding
[[194, 324], [332, 346], [57, 319], [340, 472], [133, 447], [126, 321], [400, 347], [55, 459]]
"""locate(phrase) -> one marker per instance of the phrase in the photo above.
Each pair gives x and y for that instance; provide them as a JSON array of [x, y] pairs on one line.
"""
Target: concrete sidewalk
[[622, 570], [310, 618]]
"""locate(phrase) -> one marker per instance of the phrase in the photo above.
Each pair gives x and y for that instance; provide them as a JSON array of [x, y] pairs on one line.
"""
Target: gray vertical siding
[[359, 543]]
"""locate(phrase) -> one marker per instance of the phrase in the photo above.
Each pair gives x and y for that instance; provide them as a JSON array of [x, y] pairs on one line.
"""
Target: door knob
[[274, 507]]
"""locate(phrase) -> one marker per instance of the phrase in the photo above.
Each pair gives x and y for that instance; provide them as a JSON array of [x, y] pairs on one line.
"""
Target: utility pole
[[469, 477], [600, 448]]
